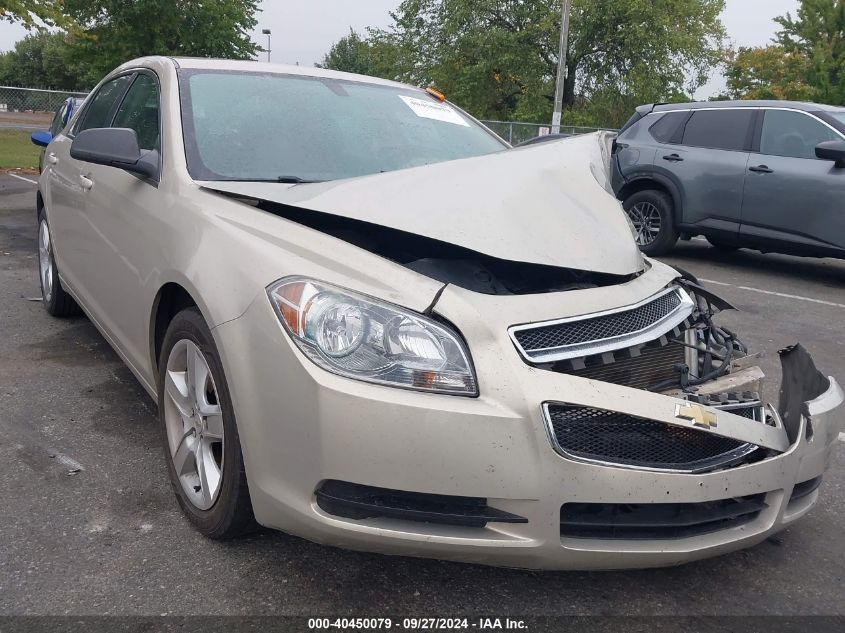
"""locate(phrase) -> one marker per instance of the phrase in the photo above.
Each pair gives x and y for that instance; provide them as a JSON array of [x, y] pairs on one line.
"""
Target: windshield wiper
[[287, 180], [296, 180]]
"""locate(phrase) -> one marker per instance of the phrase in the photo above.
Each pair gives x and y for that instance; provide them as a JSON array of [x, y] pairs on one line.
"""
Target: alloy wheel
[[194, 422], [45, 261], [645, 217]]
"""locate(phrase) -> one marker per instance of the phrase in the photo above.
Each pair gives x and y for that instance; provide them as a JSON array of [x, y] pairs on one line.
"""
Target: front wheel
[[652, 214], [201, 441]]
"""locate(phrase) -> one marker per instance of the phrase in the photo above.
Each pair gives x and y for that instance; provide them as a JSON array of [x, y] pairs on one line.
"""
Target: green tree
[[817, 34], [769, 72], [364, 56], [33, 13], [115, 31], [42, 60], [498, 58]]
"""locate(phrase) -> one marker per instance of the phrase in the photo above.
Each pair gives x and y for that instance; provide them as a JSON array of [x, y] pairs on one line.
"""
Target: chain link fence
[[30, 108], [515, 133]]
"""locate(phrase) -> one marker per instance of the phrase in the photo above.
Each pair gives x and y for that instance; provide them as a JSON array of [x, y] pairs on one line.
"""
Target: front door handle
[[761, 169], [52, 158], [85, 182], [673, 158]]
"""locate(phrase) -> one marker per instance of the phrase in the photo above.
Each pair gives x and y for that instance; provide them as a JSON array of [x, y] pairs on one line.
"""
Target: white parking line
[[776, 294], [34, 182], [842, 437]]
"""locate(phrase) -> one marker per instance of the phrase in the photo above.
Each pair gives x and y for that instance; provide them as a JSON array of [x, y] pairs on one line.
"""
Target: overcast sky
[[303, 30]]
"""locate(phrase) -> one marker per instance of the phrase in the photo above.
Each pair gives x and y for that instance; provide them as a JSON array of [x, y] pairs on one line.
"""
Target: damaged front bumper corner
[[810, 408], [347, 438]]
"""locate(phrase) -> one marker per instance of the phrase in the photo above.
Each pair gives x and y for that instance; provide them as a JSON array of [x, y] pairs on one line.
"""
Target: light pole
[[561, 66], [267, 33]]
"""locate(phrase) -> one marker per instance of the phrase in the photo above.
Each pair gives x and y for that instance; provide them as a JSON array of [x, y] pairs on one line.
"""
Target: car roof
[[203, 63], [794, 105]]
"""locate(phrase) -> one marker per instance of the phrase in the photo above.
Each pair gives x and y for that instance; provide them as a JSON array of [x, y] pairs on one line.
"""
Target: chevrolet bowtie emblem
[[696, 414]]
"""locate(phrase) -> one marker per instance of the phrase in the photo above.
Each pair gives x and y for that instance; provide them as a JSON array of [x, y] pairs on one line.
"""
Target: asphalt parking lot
[[89, 524]]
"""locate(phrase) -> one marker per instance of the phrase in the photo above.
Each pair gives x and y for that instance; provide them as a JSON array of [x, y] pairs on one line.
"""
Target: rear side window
[[58, 120], [98, 112], [665, 129], [719, 129], [793, 134]]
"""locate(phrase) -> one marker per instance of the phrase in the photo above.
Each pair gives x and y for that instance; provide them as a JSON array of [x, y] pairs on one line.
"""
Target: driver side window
[[97, 112], [139, 111], [793, 134]]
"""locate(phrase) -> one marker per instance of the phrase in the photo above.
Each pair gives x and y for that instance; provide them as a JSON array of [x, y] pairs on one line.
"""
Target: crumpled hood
[[541, 204]]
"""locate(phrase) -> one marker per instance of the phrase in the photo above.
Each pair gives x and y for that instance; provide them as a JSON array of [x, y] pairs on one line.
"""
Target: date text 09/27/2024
[[417, 624]]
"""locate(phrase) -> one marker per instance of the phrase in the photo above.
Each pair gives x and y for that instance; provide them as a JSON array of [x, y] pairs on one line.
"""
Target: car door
[[65, 192], [119, 212], [708, 163], [791, 196]]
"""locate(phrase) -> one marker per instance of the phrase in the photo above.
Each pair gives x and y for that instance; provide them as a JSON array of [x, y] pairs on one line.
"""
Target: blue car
[[62, 116]]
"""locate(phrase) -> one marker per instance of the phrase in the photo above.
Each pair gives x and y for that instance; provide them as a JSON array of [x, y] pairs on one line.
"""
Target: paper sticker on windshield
[[431, 110]]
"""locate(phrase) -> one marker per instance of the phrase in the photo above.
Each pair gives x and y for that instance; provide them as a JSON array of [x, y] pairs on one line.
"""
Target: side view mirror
[[113, 147], [42, 139], [832, 150]]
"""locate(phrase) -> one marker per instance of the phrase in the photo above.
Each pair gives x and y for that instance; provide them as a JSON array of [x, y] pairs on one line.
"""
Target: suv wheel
[[652, 214]]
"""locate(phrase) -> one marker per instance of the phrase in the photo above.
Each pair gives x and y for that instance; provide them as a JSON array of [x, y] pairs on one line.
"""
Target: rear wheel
[[721, 245], [201, 441], [652, 214], [57, 302]]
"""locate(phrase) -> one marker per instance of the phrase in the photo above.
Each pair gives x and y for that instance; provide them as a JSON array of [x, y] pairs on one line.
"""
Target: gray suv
[[768, 175]]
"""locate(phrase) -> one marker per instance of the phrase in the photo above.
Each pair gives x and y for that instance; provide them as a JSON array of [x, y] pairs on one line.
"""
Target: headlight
[[365, 339]]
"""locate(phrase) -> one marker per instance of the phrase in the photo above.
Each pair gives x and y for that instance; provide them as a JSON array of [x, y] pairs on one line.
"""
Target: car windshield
[[288, 128]]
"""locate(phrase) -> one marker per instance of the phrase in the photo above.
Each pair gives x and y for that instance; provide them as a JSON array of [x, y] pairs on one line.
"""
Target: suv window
[[793, 134], [98, 111], [139, 111], [666, 127], [719, 129]]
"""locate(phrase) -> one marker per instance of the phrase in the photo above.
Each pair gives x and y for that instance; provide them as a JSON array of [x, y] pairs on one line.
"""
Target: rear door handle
[[86, 182], [761, 169], [673, 158], [52, 158]]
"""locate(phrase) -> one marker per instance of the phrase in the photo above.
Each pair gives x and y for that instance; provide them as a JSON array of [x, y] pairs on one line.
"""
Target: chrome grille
[[608, 437], [604, 331], [599, 328]]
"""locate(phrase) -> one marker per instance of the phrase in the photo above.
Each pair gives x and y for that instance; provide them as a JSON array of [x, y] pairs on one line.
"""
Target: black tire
[[725, 247], [57, 301], [231, 514], [645, 207]]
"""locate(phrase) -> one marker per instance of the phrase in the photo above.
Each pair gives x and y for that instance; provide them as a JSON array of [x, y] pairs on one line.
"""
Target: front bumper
[[301, 426]]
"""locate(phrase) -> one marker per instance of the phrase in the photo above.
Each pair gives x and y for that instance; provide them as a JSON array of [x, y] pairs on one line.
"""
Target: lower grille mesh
[[657, 520], [607, 436]]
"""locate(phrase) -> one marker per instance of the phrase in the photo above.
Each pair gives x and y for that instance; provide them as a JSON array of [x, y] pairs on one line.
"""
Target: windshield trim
[[201, 173], [831, 117]]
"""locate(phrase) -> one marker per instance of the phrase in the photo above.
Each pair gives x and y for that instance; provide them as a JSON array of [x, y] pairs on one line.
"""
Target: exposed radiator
[[654, 364]]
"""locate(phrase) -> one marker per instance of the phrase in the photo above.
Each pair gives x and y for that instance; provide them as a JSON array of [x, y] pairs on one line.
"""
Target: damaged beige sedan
[[369, 322]]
